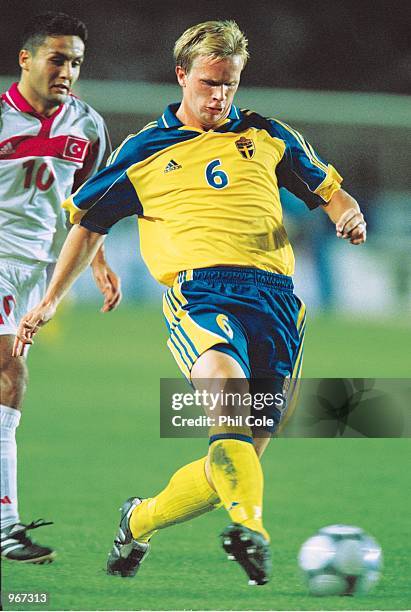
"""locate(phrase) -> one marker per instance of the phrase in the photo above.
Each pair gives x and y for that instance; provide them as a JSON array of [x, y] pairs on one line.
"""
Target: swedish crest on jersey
[[246, 147]]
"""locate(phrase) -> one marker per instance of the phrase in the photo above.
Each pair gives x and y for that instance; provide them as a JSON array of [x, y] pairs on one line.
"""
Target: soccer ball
[[340, 560]]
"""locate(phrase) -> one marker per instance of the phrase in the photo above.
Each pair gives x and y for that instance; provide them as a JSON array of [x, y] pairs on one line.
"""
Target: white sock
[[9, 419]]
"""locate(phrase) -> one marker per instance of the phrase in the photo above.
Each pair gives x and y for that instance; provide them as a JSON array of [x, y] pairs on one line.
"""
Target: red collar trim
[[14, 98]]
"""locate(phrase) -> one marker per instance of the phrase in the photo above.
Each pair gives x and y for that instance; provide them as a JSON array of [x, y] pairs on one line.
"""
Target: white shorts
[[21, 288]]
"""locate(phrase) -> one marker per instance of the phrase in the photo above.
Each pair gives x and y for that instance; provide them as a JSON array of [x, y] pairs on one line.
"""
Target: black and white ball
[[340, 560]]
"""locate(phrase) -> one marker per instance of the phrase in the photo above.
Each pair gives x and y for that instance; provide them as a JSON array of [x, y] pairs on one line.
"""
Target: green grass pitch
[[90, 438]]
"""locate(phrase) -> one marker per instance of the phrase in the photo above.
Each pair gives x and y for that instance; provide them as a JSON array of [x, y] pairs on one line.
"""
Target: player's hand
[[109, 284], [351, 225], [30, 325]]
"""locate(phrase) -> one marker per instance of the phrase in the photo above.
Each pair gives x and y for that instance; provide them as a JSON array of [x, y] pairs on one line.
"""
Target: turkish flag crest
[[76, 148]]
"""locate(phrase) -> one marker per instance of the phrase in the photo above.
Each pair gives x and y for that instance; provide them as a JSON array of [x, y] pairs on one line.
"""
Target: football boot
[[127, 554], [16, 545], [250, 549]]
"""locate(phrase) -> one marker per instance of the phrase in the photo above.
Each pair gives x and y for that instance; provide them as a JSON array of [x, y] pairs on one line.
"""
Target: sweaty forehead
[[70, 46]]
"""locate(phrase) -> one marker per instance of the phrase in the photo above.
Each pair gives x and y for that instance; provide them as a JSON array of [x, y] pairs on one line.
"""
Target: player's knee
[[225, 388], [13, 379], [217, 365]]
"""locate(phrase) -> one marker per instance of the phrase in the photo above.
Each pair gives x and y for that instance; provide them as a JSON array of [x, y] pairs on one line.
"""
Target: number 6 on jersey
[[218, 179]]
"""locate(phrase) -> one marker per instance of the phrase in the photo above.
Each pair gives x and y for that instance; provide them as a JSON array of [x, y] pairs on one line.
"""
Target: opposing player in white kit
[[50, 142]]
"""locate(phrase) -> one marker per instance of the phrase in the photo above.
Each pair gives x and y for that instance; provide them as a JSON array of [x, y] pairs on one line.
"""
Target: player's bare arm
[[108, 282], [345, 212], [78, 250]]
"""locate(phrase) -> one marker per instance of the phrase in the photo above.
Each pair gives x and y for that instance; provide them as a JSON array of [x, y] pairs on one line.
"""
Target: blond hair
[[218, 39]]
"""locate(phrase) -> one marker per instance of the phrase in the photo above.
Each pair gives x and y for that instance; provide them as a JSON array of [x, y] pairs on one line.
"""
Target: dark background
[[340, 45], [295, 47]]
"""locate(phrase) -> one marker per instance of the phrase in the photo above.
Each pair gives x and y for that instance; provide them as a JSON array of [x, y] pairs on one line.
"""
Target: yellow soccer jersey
[[206, 198]]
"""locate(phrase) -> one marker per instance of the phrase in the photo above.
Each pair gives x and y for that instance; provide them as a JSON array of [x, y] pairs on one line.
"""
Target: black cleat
[[17, 546], [251, 550], [126, 556]]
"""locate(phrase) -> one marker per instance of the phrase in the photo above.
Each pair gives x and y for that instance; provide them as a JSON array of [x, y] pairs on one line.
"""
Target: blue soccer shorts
[[247, 313]]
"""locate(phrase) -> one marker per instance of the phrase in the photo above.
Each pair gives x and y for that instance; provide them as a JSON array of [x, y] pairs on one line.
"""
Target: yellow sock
[[238, 480], [188, 494]]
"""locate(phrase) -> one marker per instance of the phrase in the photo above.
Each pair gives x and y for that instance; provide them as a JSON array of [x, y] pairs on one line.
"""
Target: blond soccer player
[[204, 181]]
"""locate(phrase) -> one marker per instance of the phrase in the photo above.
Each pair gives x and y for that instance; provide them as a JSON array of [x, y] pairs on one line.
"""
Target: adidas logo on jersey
[[172, 165], [7, 149]]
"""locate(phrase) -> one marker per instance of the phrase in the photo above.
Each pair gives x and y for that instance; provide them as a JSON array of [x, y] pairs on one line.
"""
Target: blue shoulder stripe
[[110, 195], [138, 147], [296, 171], [294, 139], [134, 149]]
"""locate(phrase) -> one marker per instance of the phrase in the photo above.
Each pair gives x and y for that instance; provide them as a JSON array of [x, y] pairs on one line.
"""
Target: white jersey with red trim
[[42, 160]]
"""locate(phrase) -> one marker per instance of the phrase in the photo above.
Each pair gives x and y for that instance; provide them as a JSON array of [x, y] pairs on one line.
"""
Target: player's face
[[50, 72], [208, 90]]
